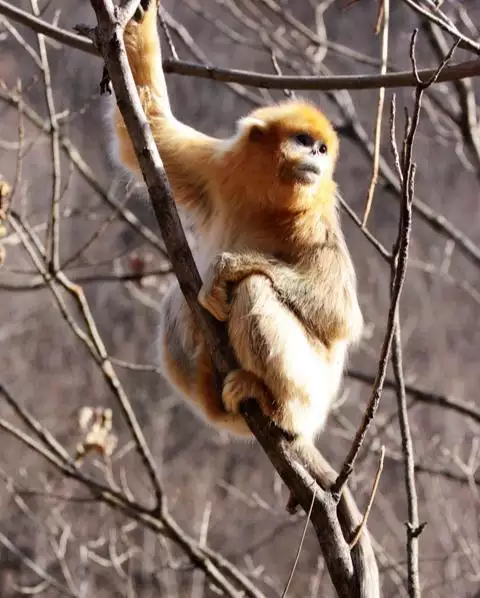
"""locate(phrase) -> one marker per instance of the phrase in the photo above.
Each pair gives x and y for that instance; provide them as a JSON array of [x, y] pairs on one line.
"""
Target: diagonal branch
[[109, 38], [464, 41]]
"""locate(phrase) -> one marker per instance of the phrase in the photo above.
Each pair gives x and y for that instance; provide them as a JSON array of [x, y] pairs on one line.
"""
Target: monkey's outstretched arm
[[185, 152]]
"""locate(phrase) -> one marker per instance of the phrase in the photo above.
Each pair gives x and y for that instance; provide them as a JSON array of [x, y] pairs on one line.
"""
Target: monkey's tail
[[350, 518]]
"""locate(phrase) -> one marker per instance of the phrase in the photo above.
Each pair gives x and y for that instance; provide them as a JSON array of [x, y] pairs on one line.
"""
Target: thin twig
[[384, 14], [53, 232], [20, 151], [168, 37], [376, 481], [39, 283], [299, 549], [276, 67]]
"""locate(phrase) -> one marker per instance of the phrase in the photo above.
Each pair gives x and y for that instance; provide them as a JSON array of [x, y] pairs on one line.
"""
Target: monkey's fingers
[[141, 9], [214, 298]]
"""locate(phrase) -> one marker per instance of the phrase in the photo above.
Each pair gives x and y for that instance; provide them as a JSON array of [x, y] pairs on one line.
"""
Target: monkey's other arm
[[320, 289]]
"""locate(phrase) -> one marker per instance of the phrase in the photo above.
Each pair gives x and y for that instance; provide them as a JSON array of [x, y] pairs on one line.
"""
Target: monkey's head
[[289, 149]]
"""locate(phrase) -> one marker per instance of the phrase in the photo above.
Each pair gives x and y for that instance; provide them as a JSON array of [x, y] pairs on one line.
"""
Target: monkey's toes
[[240, 385], [233, 391], [292, 505]]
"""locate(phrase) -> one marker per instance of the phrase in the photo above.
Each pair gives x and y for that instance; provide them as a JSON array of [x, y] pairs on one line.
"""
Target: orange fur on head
[[293, 116], [257, 164]]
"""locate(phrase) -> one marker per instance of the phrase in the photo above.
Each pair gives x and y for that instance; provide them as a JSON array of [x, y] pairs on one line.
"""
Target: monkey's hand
[[226, 270], [214, 295], [142, 9]]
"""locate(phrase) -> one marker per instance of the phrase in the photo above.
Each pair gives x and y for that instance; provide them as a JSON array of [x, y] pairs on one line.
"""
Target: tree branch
[[455, 72]]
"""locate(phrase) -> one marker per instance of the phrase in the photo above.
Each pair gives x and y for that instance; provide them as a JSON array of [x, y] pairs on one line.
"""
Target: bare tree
[[137, 519]]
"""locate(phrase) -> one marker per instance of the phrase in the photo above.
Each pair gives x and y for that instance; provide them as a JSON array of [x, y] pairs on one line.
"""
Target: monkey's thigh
[[188, 366], [270, 341]]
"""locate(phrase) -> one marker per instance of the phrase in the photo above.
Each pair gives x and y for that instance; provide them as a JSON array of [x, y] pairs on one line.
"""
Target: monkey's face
[[282, 155], [305, 159], [296, 141]]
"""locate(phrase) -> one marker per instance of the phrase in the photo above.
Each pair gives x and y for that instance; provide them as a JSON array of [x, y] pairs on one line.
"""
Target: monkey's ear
[[256, 127]]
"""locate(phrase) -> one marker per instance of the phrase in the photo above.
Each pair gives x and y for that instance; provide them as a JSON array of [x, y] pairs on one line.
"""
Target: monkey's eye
[[304, 139], [322, 149]]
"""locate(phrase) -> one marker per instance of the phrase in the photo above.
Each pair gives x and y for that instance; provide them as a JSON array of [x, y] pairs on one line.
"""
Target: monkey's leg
[[188, 367], [271, 342]]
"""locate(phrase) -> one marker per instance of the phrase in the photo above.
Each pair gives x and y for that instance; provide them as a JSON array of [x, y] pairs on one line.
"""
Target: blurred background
[[57, 149]]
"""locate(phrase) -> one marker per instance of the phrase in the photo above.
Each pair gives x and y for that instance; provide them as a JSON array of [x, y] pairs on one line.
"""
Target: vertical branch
[[53, 237], [385, 19], [406, 170], [413, 526], [399, 261]]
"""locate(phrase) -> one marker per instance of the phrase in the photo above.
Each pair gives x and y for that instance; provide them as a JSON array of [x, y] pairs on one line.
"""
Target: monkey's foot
[[240, 385]]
